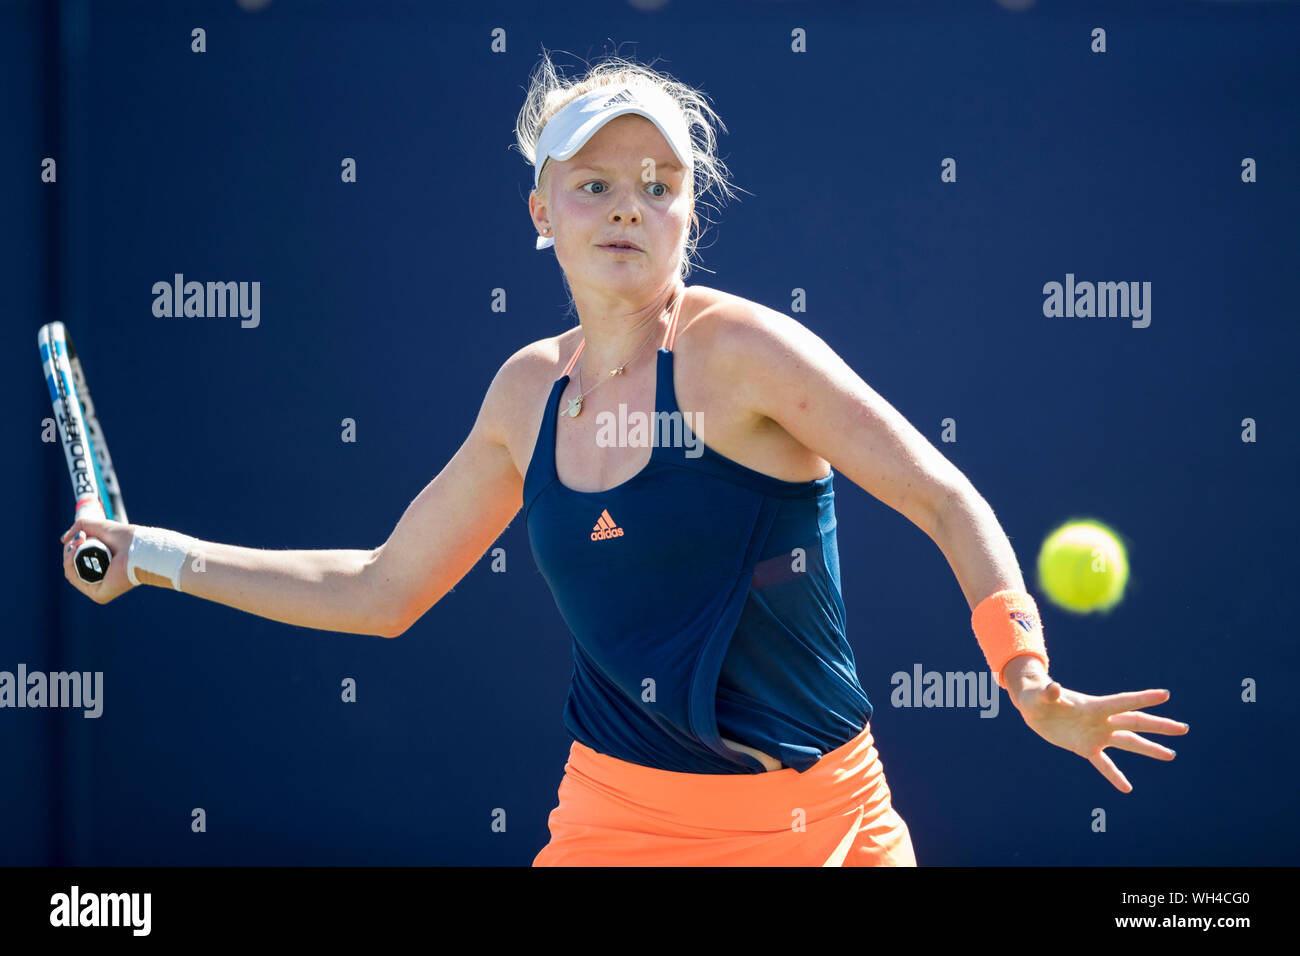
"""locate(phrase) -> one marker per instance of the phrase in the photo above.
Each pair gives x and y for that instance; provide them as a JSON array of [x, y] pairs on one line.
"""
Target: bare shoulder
[[768, 362], [513, 408], [743, 362], [738, 334]]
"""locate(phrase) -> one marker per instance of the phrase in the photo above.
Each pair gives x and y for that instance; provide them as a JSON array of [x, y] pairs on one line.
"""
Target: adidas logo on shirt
[[605, 528]]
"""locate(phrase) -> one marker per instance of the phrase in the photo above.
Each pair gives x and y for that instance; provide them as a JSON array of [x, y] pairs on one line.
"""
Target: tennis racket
[[94, 481]]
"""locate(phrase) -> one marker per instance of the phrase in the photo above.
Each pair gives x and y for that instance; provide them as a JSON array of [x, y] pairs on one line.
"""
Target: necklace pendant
[[575, 406]]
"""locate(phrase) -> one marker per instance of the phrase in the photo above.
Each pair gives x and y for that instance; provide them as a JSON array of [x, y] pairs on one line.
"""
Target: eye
[[663, 187]]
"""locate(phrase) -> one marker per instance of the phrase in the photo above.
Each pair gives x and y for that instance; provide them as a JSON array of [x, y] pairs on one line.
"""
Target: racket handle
[[92, 560], [93, 557]]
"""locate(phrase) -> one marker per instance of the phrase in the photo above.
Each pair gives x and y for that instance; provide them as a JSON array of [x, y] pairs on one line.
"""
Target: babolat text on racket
[[94, 481]]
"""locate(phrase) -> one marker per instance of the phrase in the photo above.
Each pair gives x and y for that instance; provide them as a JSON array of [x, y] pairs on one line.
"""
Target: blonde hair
[[548, 93]]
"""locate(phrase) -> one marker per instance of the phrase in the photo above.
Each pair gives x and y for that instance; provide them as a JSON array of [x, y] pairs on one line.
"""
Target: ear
[[537, 211]]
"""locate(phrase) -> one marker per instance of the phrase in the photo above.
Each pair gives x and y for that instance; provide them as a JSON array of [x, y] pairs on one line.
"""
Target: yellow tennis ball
[[1083, 566]]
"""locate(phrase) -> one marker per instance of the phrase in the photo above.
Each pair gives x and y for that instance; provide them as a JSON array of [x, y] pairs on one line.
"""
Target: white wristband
[[158, 551]]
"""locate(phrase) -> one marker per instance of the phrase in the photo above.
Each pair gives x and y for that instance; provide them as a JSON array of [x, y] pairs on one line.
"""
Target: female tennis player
[[715, 708]]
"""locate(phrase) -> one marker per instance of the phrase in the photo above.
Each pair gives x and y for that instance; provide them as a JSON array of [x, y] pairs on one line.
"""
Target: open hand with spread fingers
[[1087, 725]]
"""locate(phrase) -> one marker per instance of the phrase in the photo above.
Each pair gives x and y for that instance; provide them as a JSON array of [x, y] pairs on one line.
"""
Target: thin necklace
[[575, 404]]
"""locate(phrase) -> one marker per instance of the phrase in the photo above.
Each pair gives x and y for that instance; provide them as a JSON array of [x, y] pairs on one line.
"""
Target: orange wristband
[[1007, 624]]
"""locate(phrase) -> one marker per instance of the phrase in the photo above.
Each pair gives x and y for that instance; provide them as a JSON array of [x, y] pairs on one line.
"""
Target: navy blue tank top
[[704, 602]]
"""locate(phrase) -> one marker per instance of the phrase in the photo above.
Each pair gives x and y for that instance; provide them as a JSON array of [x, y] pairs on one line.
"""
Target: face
[[625, 184]]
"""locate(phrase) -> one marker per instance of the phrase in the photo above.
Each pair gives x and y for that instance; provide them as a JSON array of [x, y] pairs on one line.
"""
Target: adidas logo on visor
[[624, 97]]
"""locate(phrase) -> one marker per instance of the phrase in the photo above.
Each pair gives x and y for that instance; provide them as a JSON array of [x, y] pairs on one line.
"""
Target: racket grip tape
[[93, 557]]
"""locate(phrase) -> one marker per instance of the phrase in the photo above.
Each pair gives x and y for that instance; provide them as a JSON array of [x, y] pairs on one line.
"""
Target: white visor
[[568, 130]]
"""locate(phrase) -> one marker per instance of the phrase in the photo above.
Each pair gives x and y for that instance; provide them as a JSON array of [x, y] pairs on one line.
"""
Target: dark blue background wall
[[1122, 166]]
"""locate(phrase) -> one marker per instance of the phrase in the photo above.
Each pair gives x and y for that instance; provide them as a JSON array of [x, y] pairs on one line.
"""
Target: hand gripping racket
[[94, 482]]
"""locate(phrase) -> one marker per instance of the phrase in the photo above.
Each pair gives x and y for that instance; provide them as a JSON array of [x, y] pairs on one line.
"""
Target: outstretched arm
[[379, 591], [788, 374], [981, 557], [331, 590]]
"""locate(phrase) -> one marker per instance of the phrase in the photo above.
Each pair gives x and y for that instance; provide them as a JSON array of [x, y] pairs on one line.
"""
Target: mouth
[[621, 246]]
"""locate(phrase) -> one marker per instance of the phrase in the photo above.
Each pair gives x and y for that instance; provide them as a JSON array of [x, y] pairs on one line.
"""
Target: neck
[[616, 326]]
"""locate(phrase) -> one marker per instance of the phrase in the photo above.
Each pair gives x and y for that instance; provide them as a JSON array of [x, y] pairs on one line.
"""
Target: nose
[[624, 212]]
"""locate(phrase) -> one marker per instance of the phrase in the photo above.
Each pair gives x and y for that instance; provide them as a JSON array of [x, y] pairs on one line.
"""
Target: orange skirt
[[837, 813]]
